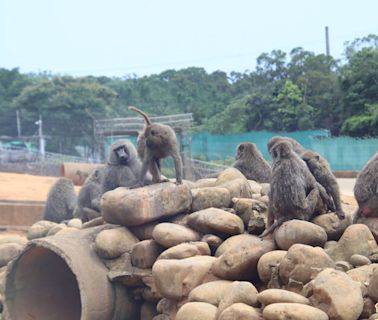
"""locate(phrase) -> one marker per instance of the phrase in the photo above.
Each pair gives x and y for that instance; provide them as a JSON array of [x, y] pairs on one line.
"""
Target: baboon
[[157, 141], [366, 189], [321, 170], [88, 201], [297, 147], [123, 168], [251, 163], [61, 201], [293, 190]]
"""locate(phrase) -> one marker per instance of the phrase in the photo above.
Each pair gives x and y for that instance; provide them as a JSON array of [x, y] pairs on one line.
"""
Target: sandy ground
[[25, 187]]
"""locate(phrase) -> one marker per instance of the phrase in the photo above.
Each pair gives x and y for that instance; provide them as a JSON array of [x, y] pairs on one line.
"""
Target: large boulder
[[240, 263], [112, 243], [196, 311], [170, 234], [40, 229], [211, 292], [214, 220], [13, 238], [337, 294], [371, 223], [176, 278], [269, 259], [332, 225], [236, 241], [293, 311], [210, 197], [240, 311], [133, 207], [357, 239], [186, 250], [145, 253], [373, 285], [303, 262], [8, 251], [299, 231], [270, 296]]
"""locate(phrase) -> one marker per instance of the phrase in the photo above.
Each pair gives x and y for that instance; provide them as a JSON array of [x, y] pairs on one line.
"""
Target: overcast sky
[[120, 37]]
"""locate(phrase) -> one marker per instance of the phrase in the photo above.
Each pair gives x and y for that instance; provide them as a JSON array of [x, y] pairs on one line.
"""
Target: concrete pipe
[[62, 278], [77, 171]]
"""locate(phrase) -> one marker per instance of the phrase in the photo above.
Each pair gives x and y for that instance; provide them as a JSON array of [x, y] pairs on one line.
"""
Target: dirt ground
[[25, 187]]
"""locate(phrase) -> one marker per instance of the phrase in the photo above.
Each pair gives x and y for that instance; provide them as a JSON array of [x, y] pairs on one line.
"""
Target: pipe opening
[[42, 286]]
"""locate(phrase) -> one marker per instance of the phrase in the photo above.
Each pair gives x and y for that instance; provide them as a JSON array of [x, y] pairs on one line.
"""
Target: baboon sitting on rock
[[366, 189], [294, 193], [61, 201], [251, 163]]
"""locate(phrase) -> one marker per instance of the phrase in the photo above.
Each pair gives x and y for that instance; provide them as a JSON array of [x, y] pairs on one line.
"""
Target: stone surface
[[196, 311], [186, 250], [229, 174], [213, 241], [240, 311], [337, 294], [255, 186], [373, 285], [40, 229], [357, 239], [176, 278], [144, 231], [214, 220], [265, 188], [269, 259], [132, 207], [12, 238], [371, 223], [293, 311], [238, 188], [240, 292], [236, 241], [343, 266], [332, 225], [170, 234], [363, 275], [145, 253], [56, 229], [204, 183], [112, 243], [210, 197], [211, 292], [147, 311], [358, 260], [270, 296], [240, 262], [75, 223], [298, 231], [302, 263], [8, 251]]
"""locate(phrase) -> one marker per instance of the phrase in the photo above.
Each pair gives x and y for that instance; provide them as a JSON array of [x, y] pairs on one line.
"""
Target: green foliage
[[286, 92]]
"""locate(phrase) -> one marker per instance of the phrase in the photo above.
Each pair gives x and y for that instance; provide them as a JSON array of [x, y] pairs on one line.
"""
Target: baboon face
[[122, 155]]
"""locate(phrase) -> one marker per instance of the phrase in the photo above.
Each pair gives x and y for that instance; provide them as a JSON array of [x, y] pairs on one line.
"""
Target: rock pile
[[192, 251]]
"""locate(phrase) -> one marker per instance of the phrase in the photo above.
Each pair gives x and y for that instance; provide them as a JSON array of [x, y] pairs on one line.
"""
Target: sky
[[117, 38]]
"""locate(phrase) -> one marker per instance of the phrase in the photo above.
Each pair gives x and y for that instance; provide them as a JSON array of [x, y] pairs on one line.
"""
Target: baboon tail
[[144, 115], [276, 224]]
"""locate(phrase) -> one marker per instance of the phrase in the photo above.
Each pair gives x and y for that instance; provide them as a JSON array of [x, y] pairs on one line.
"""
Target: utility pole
[[327, 42], [41, 139], [18, 124]]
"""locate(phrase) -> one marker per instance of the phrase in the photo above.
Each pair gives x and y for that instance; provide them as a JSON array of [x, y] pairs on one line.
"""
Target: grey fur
[[297, 147], [118, 174], [366, 189], [61, 201], [251, 163], [88, 202], [293, 189], [157, 141], [321, 170]]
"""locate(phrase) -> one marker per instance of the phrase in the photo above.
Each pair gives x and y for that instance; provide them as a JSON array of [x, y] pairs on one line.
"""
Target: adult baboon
[[157, 141], [251, 163], [297, 147], [61, 201], [293, 190], [88, 201], [321, 170], [366, 189], [123, 168]]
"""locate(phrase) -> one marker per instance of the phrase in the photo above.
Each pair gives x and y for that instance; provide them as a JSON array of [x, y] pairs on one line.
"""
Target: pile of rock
[[192, 252]]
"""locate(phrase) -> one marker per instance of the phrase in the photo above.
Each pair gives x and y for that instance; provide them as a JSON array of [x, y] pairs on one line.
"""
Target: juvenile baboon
[[251, 163], [157, 141], [297, 147], [123, 168], [321, 170], [366, 189], [88, 201], [293, 190], [61, 201]]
